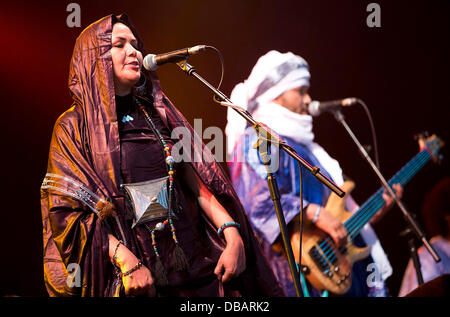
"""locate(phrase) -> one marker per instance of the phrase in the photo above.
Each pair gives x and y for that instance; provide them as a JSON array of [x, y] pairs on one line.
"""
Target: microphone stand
[[414, 254], [265, 139], [410, 220]]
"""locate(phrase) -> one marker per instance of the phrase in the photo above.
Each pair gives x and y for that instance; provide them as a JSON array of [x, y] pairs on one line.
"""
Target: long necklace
[[179, 260]]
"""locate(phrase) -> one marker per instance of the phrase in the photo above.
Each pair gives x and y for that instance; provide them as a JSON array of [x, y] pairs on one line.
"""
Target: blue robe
[[249, 177]]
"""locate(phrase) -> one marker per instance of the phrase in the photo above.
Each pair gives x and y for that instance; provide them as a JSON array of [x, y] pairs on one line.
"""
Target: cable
[[222, 63], [372, 127], [299, 265]]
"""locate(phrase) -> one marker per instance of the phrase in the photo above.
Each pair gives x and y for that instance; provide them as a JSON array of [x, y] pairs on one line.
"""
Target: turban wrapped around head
[[273, 74]]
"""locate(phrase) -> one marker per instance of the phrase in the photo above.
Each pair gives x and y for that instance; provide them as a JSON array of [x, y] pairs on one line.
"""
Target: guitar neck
[[368, 210]]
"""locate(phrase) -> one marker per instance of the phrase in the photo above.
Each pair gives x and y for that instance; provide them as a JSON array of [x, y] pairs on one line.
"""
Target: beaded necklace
[[179, 260]]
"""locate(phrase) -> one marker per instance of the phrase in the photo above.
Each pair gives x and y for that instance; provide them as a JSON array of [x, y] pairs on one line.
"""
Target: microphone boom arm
[[263, 144], [189, 69]]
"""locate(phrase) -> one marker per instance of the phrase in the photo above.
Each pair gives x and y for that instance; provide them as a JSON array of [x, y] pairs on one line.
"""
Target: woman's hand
[[139, 282], [232, 260]]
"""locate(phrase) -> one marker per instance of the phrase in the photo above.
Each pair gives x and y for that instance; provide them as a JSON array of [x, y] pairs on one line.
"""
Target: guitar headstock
[[431, 143]]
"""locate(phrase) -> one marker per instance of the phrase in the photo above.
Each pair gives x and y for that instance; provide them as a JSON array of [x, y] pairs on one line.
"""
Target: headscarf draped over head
[[273, 74], [83, 177], [83, 171]]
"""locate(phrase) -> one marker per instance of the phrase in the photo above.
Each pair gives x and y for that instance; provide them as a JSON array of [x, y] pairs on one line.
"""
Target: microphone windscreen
[[313, 108], [149, 62]]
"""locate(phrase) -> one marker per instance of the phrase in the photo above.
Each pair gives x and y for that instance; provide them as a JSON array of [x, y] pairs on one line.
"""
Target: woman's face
[[126, 59]]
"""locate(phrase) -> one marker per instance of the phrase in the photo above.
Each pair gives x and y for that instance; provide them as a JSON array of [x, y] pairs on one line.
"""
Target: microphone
[[315, 108], [152, 61]]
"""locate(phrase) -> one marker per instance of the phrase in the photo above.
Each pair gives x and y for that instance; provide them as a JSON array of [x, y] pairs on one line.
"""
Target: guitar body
[[333, 275]]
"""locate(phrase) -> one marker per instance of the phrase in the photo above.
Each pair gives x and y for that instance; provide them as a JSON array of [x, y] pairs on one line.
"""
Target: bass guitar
[[328, 267]]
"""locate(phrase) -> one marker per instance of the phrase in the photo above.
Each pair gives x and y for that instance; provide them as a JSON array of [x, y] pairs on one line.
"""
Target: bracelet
[[127, 273], [114, 259], [316, 215], [226, 225]]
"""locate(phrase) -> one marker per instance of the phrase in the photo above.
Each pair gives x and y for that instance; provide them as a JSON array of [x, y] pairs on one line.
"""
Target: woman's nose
[[131, 50]]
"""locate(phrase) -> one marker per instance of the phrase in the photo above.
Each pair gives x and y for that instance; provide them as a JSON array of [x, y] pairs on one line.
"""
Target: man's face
[[296, 99]]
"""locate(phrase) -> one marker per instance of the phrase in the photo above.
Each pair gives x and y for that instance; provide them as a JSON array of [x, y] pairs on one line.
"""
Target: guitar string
[[377, 202], [355, 224], [401, 177], [367, 210], [419, 161], [355, 218]]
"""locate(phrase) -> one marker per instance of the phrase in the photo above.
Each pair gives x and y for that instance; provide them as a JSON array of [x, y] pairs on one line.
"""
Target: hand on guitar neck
[[398, 189]]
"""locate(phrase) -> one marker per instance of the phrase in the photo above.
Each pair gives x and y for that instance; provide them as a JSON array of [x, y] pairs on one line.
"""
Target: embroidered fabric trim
[[74, 189]]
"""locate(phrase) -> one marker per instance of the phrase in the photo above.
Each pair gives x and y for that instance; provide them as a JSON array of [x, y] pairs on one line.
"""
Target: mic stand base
[[414, 255]]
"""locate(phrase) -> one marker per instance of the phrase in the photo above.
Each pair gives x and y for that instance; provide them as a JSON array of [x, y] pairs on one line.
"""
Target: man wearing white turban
[[276, 94]]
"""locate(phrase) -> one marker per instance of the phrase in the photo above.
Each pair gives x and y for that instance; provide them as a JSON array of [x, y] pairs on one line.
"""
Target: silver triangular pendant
[[149, 199]]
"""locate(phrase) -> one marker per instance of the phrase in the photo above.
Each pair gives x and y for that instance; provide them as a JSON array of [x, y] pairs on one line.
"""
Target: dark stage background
[[400, 70]]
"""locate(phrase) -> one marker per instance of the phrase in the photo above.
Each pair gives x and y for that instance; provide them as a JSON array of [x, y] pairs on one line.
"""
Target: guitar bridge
[[320, 261], [324, 256]]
